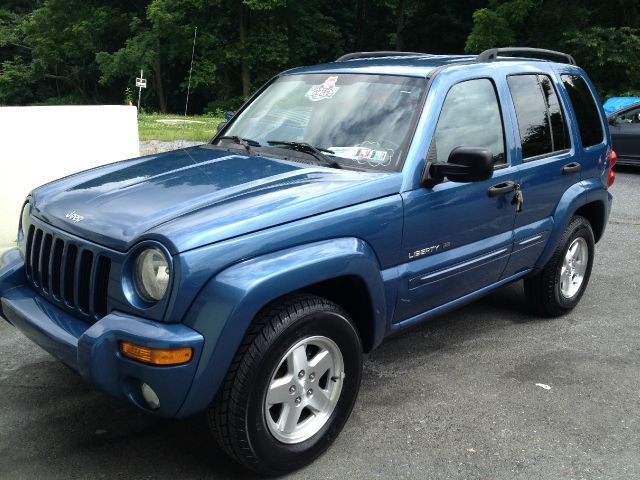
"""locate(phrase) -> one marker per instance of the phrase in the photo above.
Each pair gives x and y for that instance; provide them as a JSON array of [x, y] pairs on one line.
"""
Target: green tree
[[603, 37]]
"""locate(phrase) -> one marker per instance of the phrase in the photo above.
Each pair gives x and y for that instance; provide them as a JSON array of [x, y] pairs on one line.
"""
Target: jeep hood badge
[[74, 217]]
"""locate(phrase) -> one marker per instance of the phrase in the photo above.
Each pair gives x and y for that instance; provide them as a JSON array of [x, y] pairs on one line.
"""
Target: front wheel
[[558, 287], [291, 386]]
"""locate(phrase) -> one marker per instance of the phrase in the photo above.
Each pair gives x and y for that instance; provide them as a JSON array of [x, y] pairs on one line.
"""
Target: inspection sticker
[[361, 154], [321, 92]]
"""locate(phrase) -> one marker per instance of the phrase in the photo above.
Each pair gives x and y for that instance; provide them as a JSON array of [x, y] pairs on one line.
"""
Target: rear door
[[625, 135], [550, 164]]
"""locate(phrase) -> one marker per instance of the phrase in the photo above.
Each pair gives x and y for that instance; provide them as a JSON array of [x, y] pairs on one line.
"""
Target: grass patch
[[167, 128]]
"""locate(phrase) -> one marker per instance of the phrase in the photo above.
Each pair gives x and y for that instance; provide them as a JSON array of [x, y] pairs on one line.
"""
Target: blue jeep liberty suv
[[343, 202]]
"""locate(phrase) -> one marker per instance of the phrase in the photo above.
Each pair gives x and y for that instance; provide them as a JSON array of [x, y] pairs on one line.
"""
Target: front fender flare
[[226, 306]]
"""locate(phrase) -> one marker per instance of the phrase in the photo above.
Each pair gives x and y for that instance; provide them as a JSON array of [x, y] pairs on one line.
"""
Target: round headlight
[[22, 233], [152, 274]]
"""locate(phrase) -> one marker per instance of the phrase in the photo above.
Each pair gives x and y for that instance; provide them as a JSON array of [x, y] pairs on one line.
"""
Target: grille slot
[[45, 257], [35, 257], [84, 279], [69, 273], [72, 275], [101, 284], [56, 267]]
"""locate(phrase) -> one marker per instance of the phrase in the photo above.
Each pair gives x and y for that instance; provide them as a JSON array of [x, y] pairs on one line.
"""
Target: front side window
[[585, 108], [629, 117], [358, 120], [470, 117], [542, 126]]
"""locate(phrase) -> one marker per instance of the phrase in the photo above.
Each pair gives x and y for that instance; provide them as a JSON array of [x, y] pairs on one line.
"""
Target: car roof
[[413, 65], [629, 106]]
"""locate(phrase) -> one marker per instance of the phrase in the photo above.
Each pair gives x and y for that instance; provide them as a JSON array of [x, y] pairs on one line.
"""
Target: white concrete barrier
[[40, 144]]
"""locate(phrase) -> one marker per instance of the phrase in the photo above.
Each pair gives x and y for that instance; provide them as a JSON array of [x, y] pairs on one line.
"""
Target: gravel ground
[[464, 396], [156, 146]]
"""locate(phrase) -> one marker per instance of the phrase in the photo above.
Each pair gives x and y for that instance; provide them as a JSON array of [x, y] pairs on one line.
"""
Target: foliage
[[167, 128], [604, 37], [90, 51]]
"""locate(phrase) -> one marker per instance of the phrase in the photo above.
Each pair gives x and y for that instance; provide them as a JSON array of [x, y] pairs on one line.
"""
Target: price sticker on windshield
[[321, 92]]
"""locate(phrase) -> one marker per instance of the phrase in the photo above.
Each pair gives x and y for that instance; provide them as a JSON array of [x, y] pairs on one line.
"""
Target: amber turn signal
[[156, 356]]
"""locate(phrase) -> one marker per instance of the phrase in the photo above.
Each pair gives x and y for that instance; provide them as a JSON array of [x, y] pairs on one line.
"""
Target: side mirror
[[612, 120], [465, 164], [220, 126]]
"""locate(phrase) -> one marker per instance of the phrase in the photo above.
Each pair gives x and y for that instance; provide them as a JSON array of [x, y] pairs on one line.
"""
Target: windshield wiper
[[245, 142], [308, 148]]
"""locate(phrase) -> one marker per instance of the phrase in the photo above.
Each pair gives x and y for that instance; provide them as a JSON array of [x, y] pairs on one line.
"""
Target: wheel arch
[[588, 198], [345, 271], [595, 213]]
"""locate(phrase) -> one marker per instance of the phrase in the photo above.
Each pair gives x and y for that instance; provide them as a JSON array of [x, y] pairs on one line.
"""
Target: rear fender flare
[[573, 198]]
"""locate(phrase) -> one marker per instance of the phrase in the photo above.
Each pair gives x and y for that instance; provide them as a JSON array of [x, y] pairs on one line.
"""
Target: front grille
[[70, 274]]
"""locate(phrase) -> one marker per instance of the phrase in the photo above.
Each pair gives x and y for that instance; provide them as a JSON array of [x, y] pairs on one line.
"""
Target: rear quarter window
[[585, 109]]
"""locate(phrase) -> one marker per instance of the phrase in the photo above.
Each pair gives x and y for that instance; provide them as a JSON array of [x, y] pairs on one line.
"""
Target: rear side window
[[470, 117], [584, 106], [543, 129]]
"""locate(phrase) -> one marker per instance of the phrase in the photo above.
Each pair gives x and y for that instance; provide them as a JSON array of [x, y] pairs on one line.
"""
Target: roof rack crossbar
[[491, 54], [389, 53]]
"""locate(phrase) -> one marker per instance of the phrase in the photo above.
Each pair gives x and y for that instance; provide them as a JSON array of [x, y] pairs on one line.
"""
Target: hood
[[200, 195]]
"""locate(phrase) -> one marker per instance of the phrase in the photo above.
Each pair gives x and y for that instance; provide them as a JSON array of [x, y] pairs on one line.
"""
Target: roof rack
[[389, 53], [491, 54]]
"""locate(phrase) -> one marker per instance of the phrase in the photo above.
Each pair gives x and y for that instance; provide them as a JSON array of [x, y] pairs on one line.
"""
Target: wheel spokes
[[304, 389], [297, 360], [279, 390], [319, 401], [321, 362], [289, 417]]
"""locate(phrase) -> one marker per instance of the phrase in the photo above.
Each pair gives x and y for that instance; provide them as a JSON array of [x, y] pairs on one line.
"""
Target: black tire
[[237, 416], [542, 290]]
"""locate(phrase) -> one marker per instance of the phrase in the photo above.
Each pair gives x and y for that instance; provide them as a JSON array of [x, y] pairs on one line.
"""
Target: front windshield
[[363, 120]]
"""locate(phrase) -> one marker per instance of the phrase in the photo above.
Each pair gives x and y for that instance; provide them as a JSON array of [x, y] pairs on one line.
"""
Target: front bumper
[[92, 349]]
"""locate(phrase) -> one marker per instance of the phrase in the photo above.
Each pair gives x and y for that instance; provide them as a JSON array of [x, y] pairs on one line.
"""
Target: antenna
[[193, 50]]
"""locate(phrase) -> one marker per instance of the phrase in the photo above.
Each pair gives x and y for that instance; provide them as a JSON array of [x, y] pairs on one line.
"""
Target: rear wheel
[[558, 287], [291, 386]]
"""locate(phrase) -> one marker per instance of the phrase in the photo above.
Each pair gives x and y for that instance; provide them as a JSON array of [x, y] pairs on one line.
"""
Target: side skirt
[[452, 305]]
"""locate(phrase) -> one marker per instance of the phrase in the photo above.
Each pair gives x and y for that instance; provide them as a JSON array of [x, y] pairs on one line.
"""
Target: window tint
[[585, 109], [559, 131], [470, 117], [542, 126]]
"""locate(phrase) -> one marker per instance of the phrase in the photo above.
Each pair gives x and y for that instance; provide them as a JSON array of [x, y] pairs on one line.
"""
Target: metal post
[[193, 50], [139, 91]]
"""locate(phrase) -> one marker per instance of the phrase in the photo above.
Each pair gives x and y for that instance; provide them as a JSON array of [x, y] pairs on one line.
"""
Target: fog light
[[150, 397]]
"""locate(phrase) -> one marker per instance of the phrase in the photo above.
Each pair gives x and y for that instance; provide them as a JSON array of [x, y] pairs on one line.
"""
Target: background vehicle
[[342, 203], [624, 125]]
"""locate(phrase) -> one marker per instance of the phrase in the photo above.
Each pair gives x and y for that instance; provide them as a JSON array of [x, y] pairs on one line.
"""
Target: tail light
[[613, 158]]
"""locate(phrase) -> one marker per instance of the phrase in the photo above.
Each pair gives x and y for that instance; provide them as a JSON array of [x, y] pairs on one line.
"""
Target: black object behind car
[[624, 125]]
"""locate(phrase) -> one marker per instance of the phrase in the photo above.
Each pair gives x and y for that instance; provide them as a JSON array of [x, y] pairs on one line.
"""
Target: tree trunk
[[244, 66], [157, 78], [400, 25]]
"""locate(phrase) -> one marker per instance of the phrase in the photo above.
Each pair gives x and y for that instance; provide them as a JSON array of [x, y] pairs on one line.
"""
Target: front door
[[458, 236]]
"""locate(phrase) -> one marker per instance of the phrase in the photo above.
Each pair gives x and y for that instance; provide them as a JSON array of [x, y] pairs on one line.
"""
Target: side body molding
[[226, 306]]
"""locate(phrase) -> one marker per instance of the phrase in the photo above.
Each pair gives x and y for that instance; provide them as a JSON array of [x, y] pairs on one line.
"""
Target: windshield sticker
[[361, 154], [321, 92]]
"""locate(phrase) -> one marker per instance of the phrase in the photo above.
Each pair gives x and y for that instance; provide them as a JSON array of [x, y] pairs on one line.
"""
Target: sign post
[[141, 83]]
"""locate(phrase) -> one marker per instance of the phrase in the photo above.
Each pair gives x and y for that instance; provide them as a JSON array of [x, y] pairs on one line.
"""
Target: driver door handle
[[502, 188]]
